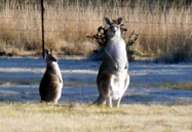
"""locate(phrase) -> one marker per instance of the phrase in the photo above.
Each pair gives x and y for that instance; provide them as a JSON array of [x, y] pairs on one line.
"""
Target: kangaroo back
[[51, 84]]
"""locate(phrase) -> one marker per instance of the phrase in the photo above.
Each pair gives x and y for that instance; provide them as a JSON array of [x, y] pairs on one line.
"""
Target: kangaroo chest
[[53, 67], [116, 49]]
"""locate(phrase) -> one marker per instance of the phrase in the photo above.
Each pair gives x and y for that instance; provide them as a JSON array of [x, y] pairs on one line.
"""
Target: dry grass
[[182, 85], [187, 86], [129, 118], [165, 29]]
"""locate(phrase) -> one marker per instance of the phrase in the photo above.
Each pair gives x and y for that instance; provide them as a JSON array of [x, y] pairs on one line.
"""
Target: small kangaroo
[[113, 78], [51, 84]]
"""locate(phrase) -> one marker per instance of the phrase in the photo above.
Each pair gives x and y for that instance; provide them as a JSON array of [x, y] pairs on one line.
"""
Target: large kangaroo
[[52, 83], [113, 77]]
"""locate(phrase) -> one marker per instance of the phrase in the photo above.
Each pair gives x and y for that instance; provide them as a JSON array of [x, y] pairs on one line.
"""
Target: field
[[164, 28], [129, 118], [159, 98]]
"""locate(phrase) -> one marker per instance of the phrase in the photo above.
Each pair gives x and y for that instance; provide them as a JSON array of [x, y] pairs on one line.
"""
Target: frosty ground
[[151, 83], [157, 99]]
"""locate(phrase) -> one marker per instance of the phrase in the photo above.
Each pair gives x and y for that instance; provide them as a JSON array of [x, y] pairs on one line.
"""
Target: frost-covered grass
[[73, 118], [151, 83], [148, 105]]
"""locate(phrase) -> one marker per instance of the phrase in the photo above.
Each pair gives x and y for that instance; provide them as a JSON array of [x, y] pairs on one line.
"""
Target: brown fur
[[50, 86], [103, 80]]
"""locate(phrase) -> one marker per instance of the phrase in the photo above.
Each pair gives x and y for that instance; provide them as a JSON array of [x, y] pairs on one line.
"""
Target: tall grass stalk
[[164, 28]]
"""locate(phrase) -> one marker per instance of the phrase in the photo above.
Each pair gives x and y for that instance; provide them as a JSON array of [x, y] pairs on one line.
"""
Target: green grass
[[72, 118]]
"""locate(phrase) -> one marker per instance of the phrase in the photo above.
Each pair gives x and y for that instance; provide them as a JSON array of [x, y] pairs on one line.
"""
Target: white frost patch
[[7, 84], [156, 71], [83, 71], [8, 92], [11, 70], [41, 70]]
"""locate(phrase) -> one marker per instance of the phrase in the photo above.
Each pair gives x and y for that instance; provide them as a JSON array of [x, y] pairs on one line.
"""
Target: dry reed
[[165, 29]]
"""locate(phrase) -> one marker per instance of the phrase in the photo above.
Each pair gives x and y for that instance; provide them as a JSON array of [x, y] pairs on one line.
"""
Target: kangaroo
[[51, 84], [113, 78]]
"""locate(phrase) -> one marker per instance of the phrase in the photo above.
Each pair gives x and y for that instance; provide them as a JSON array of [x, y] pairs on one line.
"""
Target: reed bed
[[165, 28]]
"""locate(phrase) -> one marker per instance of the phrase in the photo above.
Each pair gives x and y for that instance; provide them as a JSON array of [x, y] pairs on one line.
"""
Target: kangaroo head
[[113, 28], [49, 57]]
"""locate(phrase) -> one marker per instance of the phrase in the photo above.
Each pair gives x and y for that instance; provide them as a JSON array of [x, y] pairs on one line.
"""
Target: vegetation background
[[130, 118], [165, 32], [164, 26]]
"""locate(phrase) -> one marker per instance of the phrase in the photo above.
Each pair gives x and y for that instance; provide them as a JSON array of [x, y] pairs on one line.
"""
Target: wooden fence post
[[42, 28]]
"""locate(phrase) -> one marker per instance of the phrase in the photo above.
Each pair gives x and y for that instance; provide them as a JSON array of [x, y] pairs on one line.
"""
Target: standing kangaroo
[[113, 77], [52, 83]]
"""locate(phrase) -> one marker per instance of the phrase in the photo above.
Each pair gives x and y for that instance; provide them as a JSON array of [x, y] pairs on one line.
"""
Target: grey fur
[[113, 77]]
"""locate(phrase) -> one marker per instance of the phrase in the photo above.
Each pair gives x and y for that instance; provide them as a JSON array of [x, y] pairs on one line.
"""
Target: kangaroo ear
[[119, 20], [107, 21]]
